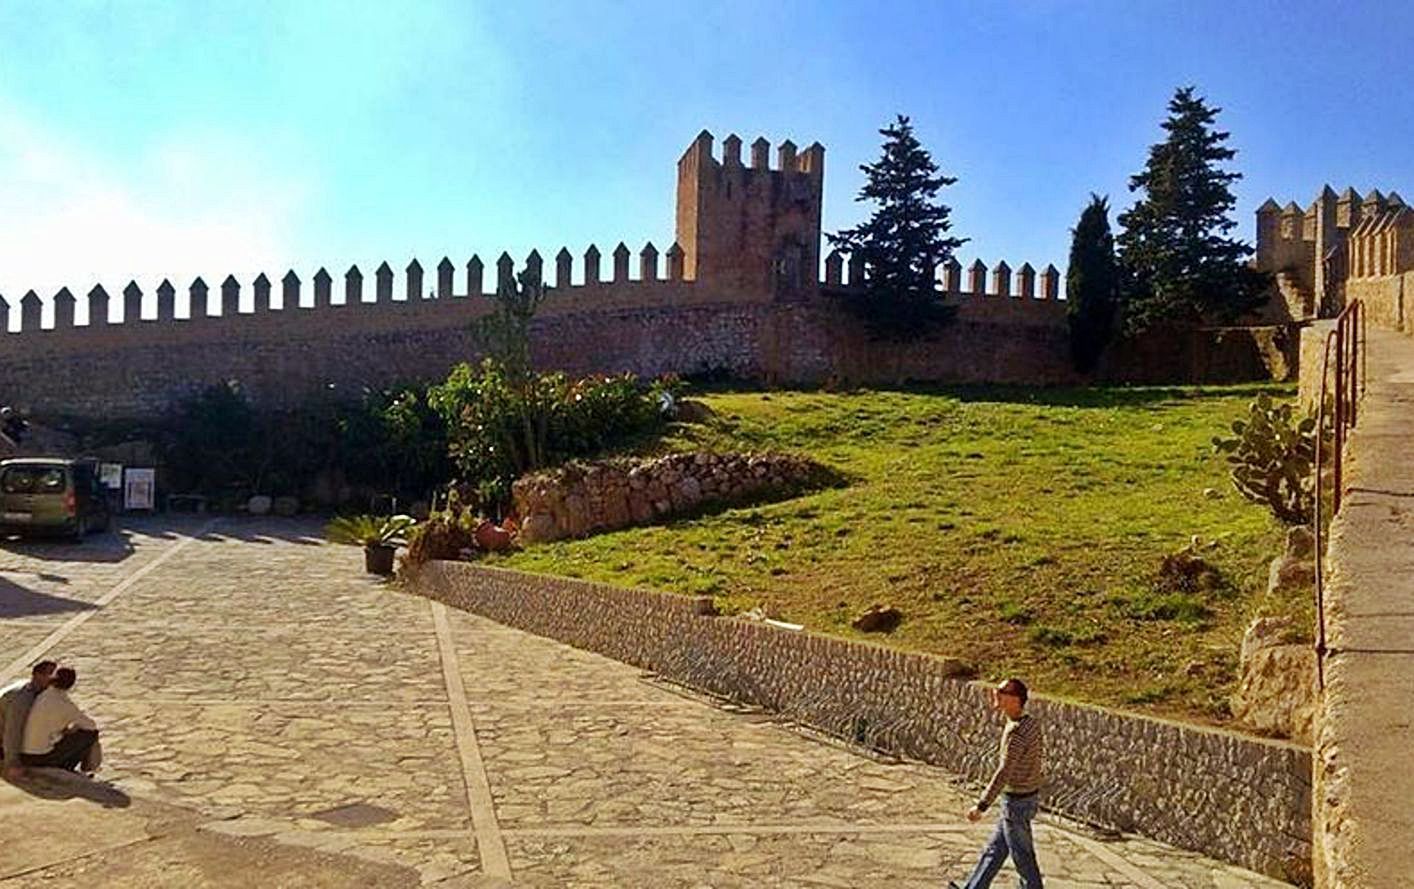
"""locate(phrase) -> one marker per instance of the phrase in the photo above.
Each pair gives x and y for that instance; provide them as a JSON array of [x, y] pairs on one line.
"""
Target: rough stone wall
[[1387, 299], [1240, 799], [581, 499], [1313, 345], [284, 357], [1208, 355]]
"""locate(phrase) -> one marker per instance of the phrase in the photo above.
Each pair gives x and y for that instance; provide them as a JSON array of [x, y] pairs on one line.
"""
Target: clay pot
[[491, 538], [378, 559]]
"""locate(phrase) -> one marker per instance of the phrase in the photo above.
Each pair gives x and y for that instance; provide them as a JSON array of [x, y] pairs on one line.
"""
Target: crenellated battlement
[[1313, 252], [1382, 243], [753, 228], [1019, 295], [739, 289], [629, 280], [789, 159]]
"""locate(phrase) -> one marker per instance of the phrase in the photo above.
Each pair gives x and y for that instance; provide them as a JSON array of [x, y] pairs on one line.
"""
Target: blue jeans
[[1012, 837]]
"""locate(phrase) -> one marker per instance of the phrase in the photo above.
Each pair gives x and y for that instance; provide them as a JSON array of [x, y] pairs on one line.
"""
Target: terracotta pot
[[378, 559], [491, 538]]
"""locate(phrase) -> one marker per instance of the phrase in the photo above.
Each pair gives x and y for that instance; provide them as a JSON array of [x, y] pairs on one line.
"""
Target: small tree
[[1179, 264], [505, 333], [903, 243], [1091, 285], [212, 441]]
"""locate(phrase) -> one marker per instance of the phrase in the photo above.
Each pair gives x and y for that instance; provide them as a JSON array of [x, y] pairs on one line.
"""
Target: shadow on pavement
[[18, 601], [109, 546], [304, 530], [57, 784]]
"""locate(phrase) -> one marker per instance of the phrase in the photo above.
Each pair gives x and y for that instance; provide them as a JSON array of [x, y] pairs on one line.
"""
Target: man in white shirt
[[58, 734], [16, 700]]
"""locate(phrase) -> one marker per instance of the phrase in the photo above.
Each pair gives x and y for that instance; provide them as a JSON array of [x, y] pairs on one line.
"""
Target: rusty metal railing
[[1349, 343]]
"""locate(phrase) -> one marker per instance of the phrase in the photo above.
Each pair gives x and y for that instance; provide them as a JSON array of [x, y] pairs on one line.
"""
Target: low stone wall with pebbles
[[581, 499], [1240, 799]]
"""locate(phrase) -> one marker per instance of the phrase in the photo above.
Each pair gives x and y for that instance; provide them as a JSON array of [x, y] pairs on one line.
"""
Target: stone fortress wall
[[740, 290], [1340, 248], [1240, 799]]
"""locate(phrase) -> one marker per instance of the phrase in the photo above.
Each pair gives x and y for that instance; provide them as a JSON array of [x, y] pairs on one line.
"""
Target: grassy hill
[[1018, 529]]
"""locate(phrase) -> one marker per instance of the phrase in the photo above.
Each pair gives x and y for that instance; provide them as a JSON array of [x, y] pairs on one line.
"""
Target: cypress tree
[[1091, 285], [904, 242], [1179, 266]]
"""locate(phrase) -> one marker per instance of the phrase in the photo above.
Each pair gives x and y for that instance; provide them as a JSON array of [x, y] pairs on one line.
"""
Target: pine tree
[[1179, 266], [904, 242], [1091, 285]]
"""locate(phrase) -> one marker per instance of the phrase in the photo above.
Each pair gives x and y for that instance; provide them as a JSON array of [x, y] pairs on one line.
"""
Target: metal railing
[[1350, 347]]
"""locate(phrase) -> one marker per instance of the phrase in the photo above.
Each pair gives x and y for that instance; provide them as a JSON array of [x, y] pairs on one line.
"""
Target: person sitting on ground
[[58, 734], [16, 700]]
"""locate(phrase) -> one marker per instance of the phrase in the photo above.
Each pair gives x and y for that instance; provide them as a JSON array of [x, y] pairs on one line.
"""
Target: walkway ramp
[[1365, 744]]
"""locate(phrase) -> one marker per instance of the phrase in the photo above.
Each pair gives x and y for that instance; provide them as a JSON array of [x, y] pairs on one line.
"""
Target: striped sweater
[[1020, 768]]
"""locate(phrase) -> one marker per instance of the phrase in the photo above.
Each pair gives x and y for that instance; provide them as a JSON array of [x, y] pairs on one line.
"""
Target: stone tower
[[751, 229], [1340, 237]]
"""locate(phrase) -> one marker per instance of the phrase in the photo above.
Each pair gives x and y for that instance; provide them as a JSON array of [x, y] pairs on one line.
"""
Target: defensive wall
[[743, 289], [1344, 248], [1237, 798], [1341, 247]]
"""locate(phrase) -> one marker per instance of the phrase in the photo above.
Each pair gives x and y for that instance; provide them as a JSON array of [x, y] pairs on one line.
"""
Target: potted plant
[[376, 534]]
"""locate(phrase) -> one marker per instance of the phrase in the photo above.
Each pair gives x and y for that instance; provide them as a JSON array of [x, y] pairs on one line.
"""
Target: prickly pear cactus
[[1271, 453]]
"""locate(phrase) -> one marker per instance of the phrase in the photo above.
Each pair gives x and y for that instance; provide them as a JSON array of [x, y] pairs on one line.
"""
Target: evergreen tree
[[1091, 285], [1178, 263], [904, 242]]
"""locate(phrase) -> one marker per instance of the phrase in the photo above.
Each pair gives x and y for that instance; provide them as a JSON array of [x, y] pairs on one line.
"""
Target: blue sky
[[142, 140]]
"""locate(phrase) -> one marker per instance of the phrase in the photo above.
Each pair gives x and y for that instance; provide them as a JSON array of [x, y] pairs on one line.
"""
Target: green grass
[[1019, 529]]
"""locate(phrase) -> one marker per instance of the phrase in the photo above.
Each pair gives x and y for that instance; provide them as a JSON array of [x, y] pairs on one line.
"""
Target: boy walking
[[1018, 779]]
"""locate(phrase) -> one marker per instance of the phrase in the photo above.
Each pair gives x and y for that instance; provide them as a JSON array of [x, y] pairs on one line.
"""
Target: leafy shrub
[[389, 441], [367, 530], [501, 426], [1271, 453], [210, 441], [443, 536]]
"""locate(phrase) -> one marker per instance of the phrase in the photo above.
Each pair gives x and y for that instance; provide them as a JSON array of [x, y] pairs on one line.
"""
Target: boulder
[[692, 411], [1287, 574], [878, 619], [955, 668], [1300, 543], [1187, 571], [285, 506], [1276, 694], [539, 527], [258, 505]]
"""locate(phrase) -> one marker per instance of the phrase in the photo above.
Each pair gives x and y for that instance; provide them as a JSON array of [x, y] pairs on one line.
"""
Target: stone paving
[[246, 672], [1364, 819]]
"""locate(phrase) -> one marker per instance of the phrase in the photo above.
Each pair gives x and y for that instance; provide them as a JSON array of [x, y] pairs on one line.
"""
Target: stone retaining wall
[[581, 499], [1236, 798]]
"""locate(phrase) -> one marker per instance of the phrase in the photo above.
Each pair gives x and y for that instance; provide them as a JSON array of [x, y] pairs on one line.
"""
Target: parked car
[[51, 495]]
